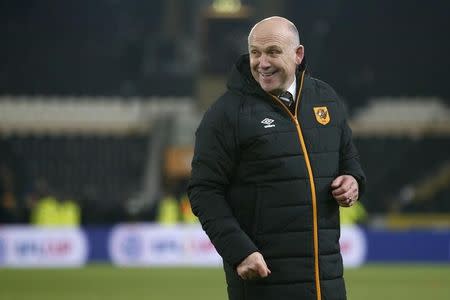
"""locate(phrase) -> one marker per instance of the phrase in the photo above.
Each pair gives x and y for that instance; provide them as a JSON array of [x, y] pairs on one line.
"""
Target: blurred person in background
[[49, 209], [187, 216], [167, 212], [270, 171], [69, 212], [9, 207], [42, 204], [11, 181]]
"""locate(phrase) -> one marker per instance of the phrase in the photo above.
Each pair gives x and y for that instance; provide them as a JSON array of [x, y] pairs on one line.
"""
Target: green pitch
[[96, 282]]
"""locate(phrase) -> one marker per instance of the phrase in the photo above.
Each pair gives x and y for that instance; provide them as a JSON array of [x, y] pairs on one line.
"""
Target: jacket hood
[[241, 79]]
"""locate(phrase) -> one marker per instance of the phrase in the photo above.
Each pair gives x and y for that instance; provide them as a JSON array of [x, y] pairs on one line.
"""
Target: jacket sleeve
[[215, 158], [349, 163]]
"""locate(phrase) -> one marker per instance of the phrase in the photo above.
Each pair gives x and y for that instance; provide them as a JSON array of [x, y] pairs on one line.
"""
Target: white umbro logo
[[268, 123]]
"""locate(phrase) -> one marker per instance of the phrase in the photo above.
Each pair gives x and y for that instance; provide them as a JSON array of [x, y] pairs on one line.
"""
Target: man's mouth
[[267, 74]]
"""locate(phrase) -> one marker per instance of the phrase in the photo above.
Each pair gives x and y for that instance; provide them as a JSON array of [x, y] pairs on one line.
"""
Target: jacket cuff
[[237, 248]]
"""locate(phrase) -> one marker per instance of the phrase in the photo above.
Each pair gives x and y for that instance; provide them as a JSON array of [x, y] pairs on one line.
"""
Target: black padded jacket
[[261, 180]]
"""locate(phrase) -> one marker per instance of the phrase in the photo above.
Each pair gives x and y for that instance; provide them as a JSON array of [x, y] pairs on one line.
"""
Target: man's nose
[[264, 61]]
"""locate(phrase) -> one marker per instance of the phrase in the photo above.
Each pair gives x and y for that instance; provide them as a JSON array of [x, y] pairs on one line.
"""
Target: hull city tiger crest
[[322, 115]]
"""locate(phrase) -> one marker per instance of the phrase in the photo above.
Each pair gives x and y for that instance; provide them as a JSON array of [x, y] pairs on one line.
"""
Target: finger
[[350, 201], [344, 190], [266, 268], [346, 200], [250, 274], [344, 185], [339, 191], [262, 270], [337, 182], [241, 274], [245, 275], [343, 197], [243, 271], [345, 204], [353, 194], [254, 274]]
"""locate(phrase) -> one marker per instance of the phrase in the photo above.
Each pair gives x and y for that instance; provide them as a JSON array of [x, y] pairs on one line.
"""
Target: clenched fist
[[253, 266]]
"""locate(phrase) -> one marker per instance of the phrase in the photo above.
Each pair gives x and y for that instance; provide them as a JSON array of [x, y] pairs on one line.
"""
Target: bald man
[[274, 160]]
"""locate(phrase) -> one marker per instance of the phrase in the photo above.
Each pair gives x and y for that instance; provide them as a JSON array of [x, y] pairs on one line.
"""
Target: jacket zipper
[[311, 183]]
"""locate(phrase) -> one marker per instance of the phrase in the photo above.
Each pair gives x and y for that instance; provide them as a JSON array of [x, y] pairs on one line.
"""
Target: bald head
[[276, 22], [275, 52]]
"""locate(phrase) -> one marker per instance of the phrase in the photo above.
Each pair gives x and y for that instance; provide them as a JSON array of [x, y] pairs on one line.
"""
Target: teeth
[[267, 74]]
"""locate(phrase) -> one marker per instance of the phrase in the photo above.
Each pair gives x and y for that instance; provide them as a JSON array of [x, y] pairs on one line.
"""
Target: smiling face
[[275, 54]]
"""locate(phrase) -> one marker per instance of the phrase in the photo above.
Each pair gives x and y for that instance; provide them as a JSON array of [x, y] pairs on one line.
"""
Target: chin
[[265, 86], [270, 89]]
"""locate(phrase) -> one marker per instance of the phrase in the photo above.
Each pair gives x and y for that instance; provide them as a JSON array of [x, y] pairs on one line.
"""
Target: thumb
[[337, 181], [263, 270]]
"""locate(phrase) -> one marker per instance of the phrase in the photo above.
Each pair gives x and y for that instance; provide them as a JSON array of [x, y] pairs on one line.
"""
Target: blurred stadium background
[[99, 101]]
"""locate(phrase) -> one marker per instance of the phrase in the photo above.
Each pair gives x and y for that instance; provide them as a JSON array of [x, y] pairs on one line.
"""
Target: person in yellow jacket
[[167, 212], [46, 212], [187, 215], [51, 212], [69, 214]]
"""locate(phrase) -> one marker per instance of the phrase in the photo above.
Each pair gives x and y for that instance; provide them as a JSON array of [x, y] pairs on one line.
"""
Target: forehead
[[267, 35]]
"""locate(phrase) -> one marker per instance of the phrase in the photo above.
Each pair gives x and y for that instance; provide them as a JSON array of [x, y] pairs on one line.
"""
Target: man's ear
[[299, 54]]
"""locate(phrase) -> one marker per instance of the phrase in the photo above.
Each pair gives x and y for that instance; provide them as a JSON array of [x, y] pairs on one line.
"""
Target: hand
[[345, 190], [253, 266]]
